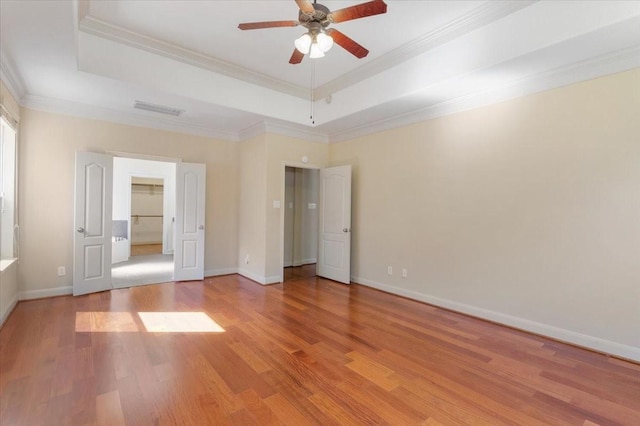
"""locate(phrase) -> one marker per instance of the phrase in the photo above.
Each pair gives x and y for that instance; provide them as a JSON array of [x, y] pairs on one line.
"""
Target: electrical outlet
[[62, 271], [404, 273], [389, 270]]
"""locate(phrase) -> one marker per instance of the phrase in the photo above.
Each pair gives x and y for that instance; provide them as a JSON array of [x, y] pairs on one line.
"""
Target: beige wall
[[48, 143], [525, 212], [289, 214], [251, 229]]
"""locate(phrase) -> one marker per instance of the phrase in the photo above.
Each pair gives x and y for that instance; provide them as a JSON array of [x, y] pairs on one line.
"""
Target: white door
[[92, 226], [334, 250], [188, 256]]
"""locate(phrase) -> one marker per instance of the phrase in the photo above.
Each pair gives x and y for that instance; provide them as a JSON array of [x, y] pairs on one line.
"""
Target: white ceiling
[[427, 58]]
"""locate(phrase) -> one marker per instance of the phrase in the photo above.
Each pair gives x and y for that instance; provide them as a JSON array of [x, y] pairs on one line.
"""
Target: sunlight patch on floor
[[176, 322], [105, 322], [154, 322]]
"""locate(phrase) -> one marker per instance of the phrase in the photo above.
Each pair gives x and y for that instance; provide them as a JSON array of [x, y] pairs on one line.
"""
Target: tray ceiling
[[427, 58]]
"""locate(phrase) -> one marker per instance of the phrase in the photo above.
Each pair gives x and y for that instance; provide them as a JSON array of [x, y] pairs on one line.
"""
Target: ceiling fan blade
[[296, 57], [306, 6], [375, 7], [347, 44], [268, 24]]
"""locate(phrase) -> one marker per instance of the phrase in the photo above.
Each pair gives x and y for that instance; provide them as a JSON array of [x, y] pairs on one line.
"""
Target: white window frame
[[8, 191]]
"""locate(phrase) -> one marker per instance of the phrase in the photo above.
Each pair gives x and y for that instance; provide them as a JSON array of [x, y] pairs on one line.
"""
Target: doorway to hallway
[[300, 223]]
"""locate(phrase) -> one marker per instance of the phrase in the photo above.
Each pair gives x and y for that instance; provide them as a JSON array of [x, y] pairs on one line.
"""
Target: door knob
[[201, 227], [345, 230], [81, 230]]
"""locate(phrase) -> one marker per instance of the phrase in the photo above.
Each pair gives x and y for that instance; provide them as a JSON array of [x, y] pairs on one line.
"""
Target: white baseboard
[[49, 292], [273, 280], [259, 278], [8, 309], [255, 277], [579, 339], [303, 262], [221, 271]]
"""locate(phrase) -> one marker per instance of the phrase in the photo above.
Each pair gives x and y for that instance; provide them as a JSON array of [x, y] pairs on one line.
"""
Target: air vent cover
[[158, 108]]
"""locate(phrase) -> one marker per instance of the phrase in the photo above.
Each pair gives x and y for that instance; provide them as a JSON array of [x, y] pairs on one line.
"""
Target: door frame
[[109, 194], [157, 158], [283, 169]]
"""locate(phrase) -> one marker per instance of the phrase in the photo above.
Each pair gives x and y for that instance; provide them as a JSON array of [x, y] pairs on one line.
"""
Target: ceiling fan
[[316, 18]]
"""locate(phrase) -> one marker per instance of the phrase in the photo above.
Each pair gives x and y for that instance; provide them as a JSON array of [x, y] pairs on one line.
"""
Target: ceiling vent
[[158, 108]]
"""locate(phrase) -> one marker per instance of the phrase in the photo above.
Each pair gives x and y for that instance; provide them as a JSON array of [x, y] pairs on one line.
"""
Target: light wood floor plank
[[109, 410]]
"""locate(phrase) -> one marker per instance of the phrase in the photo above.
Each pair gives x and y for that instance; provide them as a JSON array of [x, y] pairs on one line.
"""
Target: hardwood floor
[[310, 351], [145, 249], [291, 273]]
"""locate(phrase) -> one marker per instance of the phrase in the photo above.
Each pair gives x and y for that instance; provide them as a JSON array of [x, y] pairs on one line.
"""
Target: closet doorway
[[300, 223], [143, 215], [147, 195]]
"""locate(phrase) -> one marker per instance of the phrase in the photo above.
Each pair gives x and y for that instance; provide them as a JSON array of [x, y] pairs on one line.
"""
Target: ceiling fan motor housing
[[316, 20]]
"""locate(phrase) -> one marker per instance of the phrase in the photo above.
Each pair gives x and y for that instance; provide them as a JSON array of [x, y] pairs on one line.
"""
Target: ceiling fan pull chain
[[313, 82]]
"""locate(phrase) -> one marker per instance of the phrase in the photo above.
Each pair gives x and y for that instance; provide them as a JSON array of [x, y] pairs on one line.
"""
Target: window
[[7, 190]]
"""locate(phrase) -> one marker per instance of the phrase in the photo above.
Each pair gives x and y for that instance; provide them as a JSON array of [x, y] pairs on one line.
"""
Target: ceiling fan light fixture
[[315, 52], [303, 44], [324, 41]]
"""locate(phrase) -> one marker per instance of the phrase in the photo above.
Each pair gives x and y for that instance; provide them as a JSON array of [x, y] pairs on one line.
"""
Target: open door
[[334, 251], [92, 225], [188, 254]]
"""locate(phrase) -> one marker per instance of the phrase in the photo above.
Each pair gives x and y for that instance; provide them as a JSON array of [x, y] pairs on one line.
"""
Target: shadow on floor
[[298, 272]]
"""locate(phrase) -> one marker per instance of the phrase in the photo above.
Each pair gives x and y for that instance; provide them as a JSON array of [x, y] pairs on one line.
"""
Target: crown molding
[[100, 28], [481, 16], [283, 129], [293, 131], [11, 78], [619, 61], [252, 131], [592, 68], [78, 109]]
